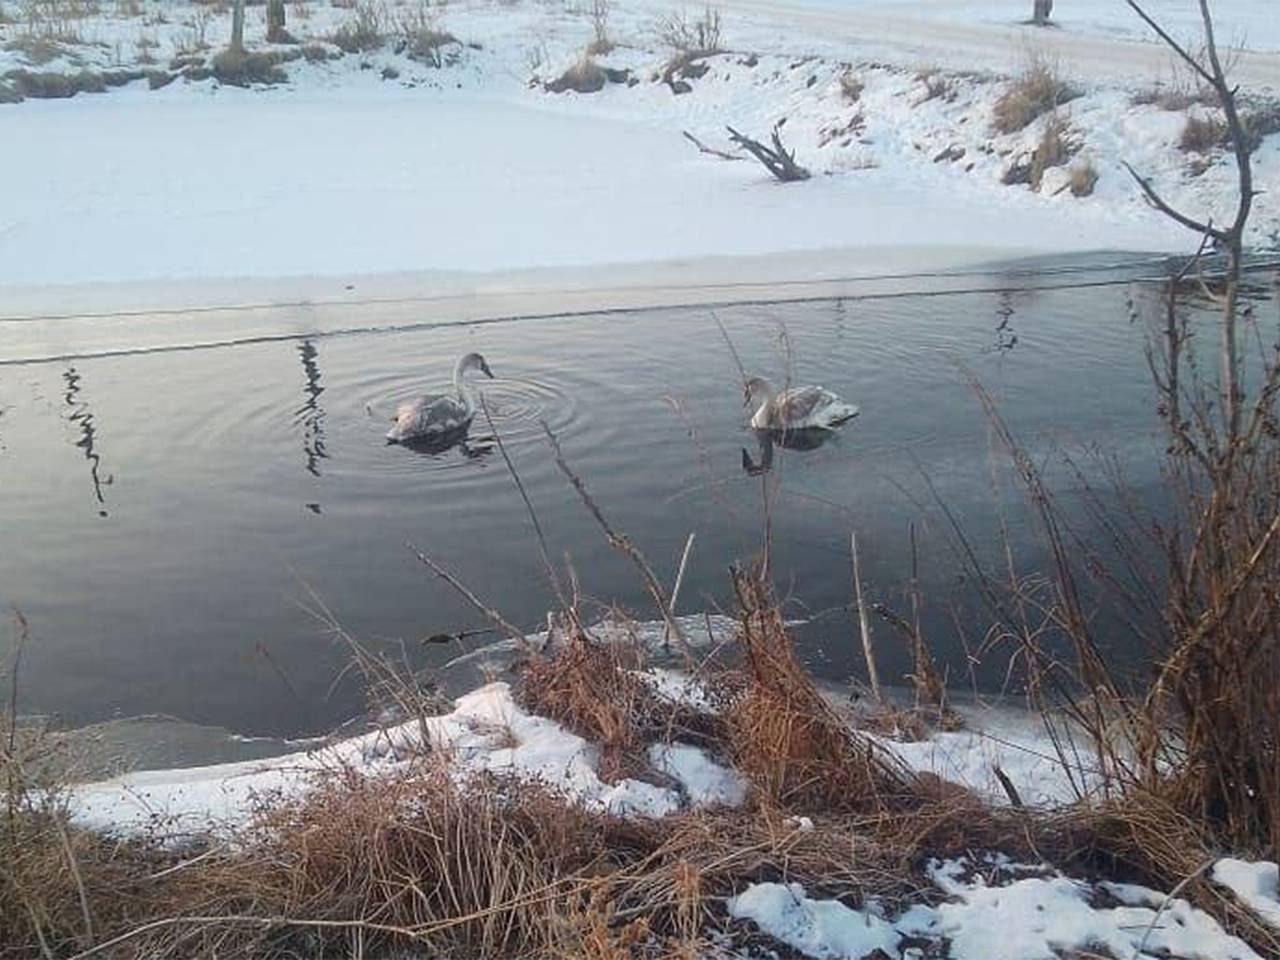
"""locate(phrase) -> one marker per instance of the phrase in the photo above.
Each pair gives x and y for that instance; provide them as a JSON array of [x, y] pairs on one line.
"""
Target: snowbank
[[486, 731]]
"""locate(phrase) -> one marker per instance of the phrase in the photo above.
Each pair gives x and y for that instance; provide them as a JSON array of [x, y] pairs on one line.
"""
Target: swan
[[435, 415], [800, 408]]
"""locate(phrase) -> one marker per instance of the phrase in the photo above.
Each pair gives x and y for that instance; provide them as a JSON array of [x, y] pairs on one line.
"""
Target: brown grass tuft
[[1055, 148], [785, 738], [593, 689], [1200, 134], [585, 76], [1035, 92], [1084, 177]]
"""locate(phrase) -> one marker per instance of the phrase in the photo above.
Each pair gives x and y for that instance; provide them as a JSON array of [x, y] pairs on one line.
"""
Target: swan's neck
[[460, 387], [764, 394]]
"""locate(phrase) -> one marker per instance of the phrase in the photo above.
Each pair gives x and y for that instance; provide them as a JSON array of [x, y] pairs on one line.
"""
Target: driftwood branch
[[778, 160], [711, 151]]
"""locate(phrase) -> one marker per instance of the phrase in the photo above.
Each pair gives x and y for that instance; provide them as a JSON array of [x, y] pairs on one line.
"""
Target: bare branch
[[1173, 44], [1159, 203], [712, 151]]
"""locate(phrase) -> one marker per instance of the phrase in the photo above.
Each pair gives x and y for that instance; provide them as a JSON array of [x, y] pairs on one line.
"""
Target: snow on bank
[[997, 910], [486, 731], [375, 163], [1257, 885]]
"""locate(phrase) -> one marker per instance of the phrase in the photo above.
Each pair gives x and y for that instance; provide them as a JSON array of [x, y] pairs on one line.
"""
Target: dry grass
[[851, 86], [594, 689], [934, 85], [1055, 148], [365, 30], [240, 68], [585, 76], [1174, 97], [419, 37], [1035, 92], [1084, 177], [789, 743], [1202, 133]]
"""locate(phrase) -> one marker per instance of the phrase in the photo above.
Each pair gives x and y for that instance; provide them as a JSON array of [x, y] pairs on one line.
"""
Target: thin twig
[[492, 615], [619, 541], [864, 626]]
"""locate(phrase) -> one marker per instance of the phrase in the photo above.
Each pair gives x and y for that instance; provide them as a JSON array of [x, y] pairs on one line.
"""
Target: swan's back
[[431, 416], [803, 408]]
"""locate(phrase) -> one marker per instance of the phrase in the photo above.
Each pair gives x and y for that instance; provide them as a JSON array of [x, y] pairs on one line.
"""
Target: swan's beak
[[484, 368], [746, 397]]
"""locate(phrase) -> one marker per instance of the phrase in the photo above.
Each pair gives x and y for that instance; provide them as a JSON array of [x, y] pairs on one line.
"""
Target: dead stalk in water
[[864, 626]]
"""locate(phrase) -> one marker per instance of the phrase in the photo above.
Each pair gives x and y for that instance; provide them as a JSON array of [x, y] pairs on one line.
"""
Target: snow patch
[[486, 731], [1257, 885], [1011, 916], [817, 928]]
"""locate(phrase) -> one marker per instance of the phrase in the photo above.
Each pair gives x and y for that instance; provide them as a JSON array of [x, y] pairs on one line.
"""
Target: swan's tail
[[839, 413]]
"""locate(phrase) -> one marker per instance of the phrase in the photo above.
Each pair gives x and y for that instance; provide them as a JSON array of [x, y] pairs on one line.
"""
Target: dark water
[[166, 518]]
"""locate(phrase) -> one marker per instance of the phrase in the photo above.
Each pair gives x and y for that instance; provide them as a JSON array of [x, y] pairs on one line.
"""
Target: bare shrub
[[419, 38], [1033, 93], [1084, 177], [1202, 133], [600, 44], [365, 30], [700, 34]]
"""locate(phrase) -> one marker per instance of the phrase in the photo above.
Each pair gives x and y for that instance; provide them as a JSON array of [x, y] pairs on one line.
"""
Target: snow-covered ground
[[985, 907], [374, 163]]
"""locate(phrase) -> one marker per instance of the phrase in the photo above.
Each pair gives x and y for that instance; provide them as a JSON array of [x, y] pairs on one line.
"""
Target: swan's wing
[[429, 416], [799, 404]]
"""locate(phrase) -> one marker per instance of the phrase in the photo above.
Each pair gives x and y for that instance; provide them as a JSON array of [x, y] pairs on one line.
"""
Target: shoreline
[[40, 322]]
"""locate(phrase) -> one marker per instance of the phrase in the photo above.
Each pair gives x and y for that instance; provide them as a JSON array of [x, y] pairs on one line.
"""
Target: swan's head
[[473, 361], [756, 389]]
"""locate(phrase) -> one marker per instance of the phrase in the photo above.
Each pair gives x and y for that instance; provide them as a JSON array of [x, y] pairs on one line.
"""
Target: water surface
[[172, 520]]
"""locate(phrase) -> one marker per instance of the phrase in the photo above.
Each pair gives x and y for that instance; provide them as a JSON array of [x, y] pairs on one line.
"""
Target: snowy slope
[[374, 163]]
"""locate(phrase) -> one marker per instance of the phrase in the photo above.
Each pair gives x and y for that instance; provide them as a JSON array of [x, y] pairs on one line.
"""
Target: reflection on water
[[1005, 339], [471, 448], [81, 418], [766, 440], [311, 414]]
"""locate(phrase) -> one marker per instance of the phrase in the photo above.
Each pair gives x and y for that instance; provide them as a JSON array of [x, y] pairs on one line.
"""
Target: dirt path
[[992, 46]]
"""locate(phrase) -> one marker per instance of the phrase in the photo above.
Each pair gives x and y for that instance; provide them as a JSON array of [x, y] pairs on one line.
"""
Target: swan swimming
[[435, 415], [800, 408]]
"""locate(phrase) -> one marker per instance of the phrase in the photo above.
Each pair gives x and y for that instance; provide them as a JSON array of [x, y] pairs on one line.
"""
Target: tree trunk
[[1040, 12], [237, 26], [276, 32]]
